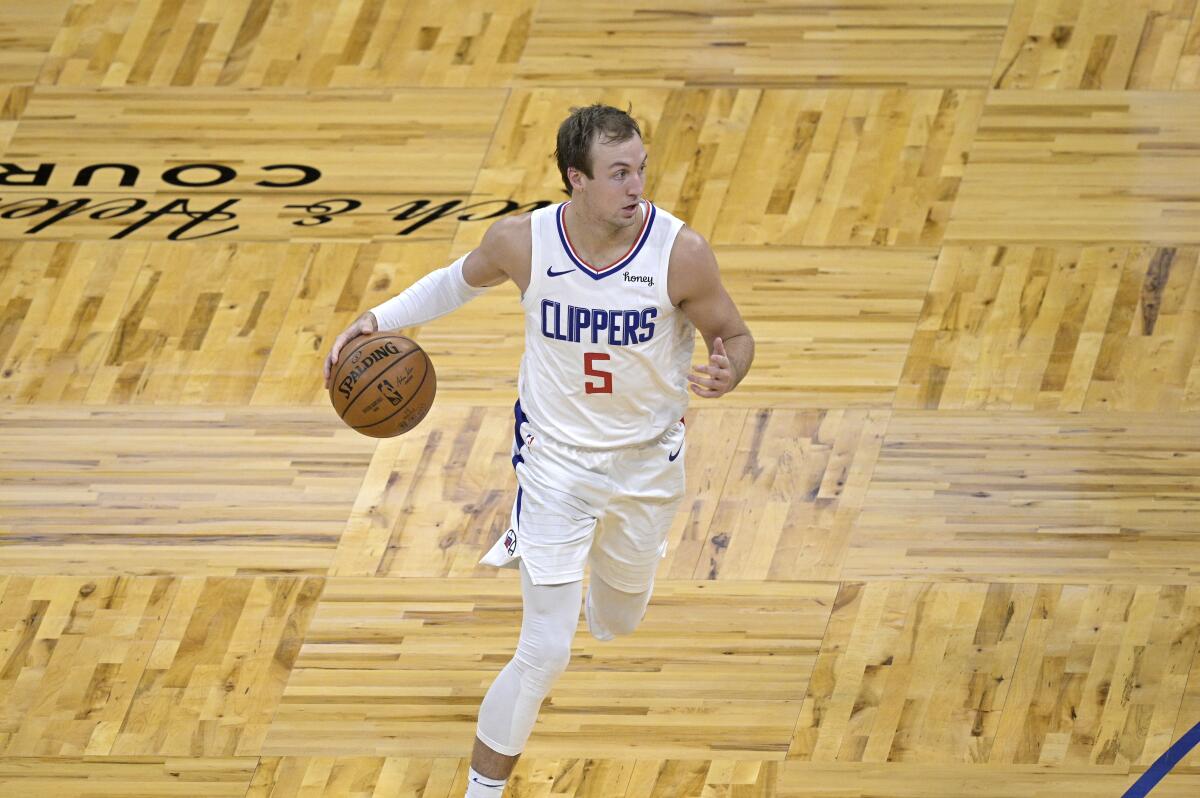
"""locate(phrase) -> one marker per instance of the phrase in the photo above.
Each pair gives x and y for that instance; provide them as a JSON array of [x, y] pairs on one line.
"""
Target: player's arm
[[694, 284], [443, 290]]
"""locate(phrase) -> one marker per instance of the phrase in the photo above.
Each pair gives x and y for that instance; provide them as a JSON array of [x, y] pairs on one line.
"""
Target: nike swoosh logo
[[551, 273], [485, 784], [677, 451]]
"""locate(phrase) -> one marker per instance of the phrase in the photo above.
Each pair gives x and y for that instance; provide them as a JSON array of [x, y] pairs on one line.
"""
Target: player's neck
[[596, 238]]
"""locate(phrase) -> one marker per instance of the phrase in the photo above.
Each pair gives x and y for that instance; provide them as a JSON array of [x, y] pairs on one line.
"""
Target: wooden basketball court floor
[[943, 541]]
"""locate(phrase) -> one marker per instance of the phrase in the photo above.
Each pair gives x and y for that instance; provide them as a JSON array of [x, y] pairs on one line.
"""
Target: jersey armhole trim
[[664, 292], [535, 253]]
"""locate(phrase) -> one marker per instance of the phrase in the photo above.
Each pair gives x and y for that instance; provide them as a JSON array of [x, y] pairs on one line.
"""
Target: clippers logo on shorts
[[365, 362], [510, 542]]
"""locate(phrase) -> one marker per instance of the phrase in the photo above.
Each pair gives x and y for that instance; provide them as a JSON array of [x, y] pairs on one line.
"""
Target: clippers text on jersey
[[594, 325]]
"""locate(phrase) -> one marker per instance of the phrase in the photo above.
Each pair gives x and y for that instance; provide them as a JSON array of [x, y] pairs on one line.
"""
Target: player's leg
[[631, 535], [611, 612], [629, 546], [551, 530], [549, 617]]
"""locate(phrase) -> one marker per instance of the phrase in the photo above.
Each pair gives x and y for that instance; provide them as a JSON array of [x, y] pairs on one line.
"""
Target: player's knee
[[613, 614], [556, 658], [543, 667]]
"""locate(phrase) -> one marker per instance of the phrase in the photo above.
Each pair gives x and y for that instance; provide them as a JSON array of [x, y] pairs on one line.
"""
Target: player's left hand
[[714, 378]]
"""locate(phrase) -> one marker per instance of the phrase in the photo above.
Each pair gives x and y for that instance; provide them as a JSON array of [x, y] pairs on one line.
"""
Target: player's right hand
[[363, 325]]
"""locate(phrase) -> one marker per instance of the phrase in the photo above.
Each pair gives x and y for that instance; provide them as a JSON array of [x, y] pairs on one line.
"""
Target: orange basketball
[[383, 384]]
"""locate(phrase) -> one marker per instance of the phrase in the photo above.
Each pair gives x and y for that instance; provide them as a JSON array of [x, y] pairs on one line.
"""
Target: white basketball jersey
[[606, 353]]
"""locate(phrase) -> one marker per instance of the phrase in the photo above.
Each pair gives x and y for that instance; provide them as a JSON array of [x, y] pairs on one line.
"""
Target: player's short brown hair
[[582, 127]]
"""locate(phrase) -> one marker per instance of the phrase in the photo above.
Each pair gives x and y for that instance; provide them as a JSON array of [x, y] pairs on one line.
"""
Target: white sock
[[479, 786]]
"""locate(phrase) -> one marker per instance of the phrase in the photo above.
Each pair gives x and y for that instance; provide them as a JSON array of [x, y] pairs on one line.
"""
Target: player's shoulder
[[516, 226], [692, 267], [692, 249], [512, 235]]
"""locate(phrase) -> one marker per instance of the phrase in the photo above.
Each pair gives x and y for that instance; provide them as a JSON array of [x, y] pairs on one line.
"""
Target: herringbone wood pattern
[[940, 542]]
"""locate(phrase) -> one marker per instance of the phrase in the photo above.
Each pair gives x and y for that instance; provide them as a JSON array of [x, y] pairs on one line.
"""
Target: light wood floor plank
[[28, 31], [696, 43], [901, 780], [1081, 166], [433, 501], [1055, 497], [400, 666], [241, 322], [203, 492], [834, 167], [13, 98], [121, 777], [1066, 44], [770, 495], [832, 325], [130, 666], [306, 44], [1023, 674], [577, 778], [795, 483], [1058, 328], [364, 141], [254, 43]]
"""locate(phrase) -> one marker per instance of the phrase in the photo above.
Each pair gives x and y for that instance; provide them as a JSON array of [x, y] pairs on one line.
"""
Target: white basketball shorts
[[613, 508]]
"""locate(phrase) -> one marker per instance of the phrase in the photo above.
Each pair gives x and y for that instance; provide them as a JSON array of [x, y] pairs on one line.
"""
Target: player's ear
[[575, 177]]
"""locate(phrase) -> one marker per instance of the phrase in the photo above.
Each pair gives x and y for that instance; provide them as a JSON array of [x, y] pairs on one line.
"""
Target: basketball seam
[[345, 356], [368, 384], [428, 368]]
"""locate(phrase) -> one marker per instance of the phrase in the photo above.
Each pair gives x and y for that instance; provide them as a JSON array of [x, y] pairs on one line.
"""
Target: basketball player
[[613, 288]]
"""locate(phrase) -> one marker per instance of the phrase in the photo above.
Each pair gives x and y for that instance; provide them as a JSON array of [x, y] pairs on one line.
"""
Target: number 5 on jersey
[[589, 368]]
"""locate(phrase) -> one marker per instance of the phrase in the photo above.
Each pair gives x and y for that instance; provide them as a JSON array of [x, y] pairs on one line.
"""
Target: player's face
[[618, 179]]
